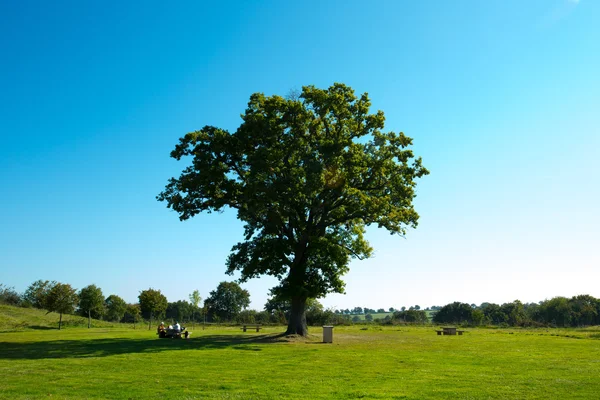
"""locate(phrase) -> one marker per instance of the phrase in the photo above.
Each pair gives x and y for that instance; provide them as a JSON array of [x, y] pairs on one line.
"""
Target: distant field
[[382, 315], [375, 316], [363, 362]]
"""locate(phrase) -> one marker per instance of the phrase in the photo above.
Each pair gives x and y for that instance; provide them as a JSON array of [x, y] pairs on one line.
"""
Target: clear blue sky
[[502, 99]]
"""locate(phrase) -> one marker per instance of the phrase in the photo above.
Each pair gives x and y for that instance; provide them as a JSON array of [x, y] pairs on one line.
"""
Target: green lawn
[[363, 362]]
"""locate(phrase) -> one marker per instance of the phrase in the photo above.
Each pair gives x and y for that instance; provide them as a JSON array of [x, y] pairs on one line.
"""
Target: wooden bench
[[245, 327], [449, 331]]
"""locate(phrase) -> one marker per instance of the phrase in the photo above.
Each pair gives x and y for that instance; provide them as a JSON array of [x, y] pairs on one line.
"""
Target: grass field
[[369, 362]]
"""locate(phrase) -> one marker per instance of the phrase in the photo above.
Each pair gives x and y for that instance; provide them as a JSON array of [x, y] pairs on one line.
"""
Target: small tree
[[195, 299], [62, 299], [368, 317], [152, 303], [91, 302], [133, 313], [115, 307]]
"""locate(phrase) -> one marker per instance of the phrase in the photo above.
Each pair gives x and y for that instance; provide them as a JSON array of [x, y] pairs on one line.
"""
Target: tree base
[[297, 322]]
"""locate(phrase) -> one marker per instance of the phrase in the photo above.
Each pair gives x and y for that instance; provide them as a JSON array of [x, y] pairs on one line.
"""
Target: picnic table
[[449, 330]]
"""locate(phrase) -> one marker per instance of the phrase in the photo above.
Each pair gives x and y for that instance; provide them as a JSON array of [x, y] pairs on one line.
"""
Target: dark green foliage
[[585, 310], [91, 302], [181, 310], [9, 296], [411, 316], [514, 312], [454, 313], [115, 308], [247, 317], [582, 310], [37, 294], [226, 301], [306, 175]]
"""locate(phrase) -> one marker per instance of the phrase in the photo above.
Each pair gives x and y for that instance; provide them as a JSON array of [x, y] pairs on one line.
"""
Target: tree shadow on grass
[[115, 346], [42, 328]]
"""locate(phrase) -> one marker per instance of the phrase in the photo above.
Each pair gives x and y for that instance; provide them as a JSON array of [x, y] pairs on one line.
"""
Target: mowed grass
[[374, 363]]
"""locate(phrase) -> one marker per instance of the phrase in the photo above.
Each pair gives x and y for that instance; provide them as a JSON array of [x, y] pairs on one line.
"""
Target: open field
[[373, 362]]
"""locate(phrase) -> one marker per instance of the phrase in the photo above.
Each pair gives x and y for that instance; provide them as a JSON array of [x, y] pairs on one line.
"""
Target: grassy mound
[[18, 318]]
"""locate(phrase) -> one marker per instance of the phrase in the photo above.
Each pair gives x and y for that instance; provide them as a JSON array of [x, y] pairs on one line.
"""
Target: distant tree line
[[228, 303], [582, 310]]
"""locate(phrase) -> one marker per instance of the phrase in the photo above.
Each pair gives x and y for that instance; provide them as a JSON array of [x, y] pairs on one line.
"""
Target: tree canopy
[[152, 303], [227, 300], [61, 298], [306, 175], [115, 307], [37, 293], [91, 302]]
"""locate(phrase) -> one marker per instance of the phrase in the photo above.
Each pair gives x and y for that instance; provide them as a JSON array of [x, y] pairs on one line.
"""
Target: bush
[[454, 313], [411, 316], [9, 296]]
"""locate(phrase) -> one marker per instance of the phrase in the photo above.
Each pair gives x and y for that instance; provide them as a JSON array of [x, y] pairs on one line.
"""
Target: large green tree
[[91, 303], [306, 175], [227, 301], [152, 304], [63, 299], [115, 307]]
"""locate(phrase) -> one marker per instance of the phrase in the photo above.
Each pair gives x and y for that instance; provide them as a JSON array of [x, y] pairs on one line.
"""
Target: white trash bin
[[328, 334]]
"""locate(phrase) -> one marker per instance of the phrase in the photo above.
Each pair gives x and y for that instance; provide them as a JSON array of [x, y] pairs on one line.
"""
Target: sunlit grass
[[376, 362]]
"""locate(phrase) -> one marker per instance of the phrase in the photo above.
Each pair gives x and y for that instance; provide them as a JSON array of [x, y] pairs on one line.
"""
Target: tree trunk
[[297, 321], [150, 323], [60, 321], [89, 319]]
